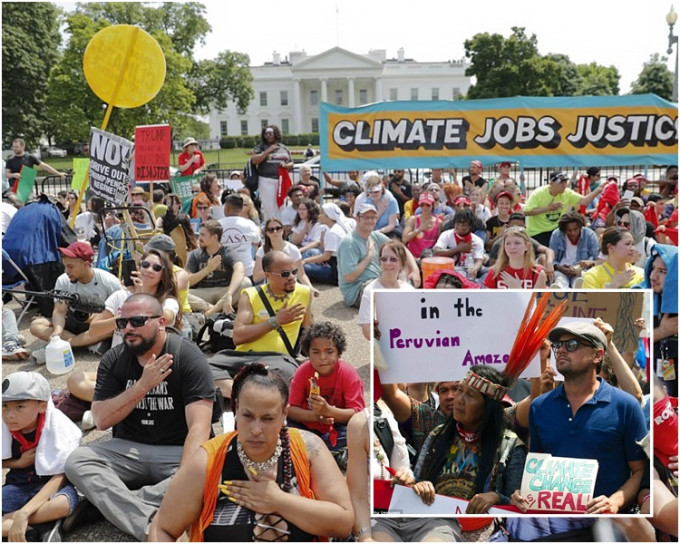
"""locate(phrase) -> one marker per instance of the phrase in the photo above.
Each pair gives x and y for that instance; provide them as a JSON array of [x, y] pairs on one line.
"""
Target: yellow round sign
[[124, 66]]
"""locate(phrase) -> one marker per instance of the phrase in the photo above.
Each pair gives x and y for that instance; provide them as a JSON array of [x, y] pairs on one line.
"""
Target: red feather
[[533, 329]]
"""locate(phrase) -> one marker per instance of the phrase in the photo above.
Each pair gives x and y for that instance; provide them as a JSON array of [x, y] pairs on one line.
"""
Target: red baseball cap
[[504, 163], [78, 250], [426, 198], [506, 194], [461, 198]]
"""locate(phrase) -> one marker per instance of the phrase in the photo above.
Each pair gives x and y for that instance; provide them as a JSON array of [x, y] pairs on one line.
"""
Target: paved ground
[[329, 306]]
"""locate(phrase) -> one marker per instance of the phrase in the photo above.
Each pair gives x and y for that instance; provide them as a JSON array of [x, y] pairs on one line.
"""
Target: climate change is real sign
[[536, 131]]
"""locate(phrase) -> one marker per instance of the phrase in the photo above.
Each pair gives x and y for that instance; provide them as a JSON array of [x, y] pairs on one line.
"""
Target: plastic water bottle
[[59, 356]]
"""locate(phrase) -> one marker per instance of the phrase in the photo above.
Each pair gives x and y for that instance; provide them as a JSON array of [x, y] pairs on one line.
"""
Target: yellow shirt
[[183, 294], [272, 340], [597, 276]]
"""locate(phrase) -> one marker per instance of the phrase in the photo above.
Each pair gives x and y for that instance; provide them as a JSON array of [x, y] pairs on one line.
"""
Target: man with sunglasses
[[216, 276], [259, 328], [587, 418], [156, 391]]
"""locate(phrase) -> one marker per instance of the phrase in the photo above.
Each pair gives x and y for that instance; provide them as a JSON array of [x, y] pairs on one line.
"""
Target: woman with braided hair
[[262, 482]]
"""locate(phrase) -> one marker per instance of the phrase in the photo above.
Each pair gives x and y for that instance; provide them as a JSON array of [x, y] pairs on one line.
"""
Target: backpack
[[251, 178], [220, 329], [382, 430]]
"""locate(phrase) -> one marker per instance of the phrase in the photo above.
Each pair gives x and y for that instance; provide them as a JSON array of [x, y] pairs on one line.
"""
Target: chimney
[[400, 54], [277, 58]]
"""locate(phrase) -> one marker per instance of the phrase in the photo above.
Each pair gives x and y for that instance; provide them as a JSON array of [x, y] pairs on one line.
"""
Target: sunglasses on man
[[136, 321], [570, 345], [286, 273]]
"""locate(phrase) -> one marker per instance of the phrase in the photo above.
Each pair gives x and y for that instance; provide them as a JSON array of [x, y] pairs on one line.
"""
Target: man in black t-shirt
[[157, 392], [474, 179], [215, 275], [20, 159], [400, 189]]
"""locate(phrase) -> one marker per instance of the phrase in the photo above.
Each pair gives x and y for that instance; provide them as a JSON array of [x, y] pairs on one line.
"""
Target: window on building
[[363, 96], [284, 98], [414, 93], [315, 124], [223, 128], [456, 93], [314, 98], [244, 128], [263, 98], [285, 126], [435, 93], [394, 95], [264, 123], [338, 97]]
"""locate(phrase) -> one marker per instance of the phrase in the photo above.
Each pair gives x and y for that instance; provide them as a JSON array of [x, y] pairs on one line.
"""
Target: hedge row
[[248, 142]]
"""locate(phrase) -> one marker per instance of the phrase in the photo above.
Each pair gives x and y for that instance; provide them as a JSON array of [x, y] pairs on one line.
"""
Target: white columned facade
[[297, 106], [378, 89], [350, 92], [324, 90]]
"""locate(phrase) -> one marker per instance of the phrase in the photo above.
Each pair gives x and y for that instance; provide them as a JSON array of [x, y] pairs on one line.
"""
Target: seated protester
[[154, 277], [516, 267], [250, 209], [474, 178], [411, 205], [451, 192], [273, 240], [350, 194], [441, 209], [257, 329], [323, 267], [11, 348], [157, 393], [309, 183], [89, 223], [466, 249], [572, 243], [209, 195], [159, 206], [306, 497], [240, 235], [203, 208], [399, 188], [462, 202], [635, 222], [605, 204], [386, 206], [296, 194], [139, 197], [422, 231], [173, 217], [449, 279], [494, 226], [358, 262], [88, 283], [478, 205], [326, 391], [307, 231], [617, 271], [36, 440], [215, 276]]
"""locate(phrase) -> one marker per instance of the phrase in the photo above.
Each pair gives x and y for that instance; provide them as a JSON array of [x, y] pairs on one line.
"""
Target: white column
[[378, 90], [297, 107], [350, 92], [324, 90]]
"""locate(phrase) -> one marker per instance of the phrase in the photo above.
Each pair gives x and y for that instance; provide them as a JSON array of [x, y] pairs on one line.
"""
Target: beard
[[144, 345]]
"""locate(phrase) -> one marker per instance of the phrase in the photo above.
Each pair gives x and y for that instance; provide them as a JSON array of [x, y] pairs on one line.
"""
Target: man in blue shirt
[[587, 418]]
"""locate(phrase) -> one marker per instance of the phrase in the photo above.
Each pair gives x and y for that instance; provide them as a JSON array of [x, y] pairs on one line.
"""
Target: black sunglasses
[[570, 345], [286, 273], [156, 267], [623, 224], [136, 321], [274, 229]]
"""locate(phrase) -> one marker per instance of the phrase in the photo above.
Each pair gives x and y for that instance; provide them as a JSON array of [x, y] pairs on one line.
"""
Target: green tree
[[225, 79], [597, 80], [30, 41], [655, 77]]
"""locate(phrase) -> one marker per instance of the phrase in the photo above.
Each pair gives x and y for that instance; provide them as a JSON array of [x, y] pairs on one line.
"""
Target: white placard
[[405, 501], [429, 336]]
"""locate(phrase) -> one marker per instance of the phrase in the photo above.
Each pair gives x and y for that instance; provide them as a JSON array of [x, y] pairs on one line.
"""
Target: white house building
[[288, 92]]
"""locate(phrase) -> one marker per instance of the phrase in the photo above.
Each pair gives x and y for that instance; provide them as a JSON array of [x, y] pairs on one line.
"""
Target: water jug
[[59, 356]]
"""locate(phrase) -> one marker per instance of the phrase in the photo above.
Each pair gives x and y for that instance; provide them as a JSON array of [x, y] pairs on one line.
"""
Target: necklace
[[380, 456], [277, 298], [467, 436], [247, 462]]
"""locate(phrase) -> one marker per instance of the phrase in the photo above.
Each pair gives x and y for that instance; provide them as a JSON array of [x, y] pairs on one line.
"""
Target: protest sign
[[558, 483], [78, 181], [536, 131], [110, 157], [182, 185], [406, 502], [152, 153], [429, 336], [25, 183]]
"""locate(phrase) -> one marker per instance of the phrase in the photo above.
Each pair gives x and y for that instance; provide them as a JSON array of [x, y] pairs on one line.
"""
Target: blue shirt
[[351, 251], [605, 428]]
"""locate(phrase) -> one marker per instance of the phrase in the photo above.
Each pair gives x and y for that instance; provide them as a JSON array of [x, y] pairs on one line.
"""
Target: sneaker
[[83, 514], [22, 340], [100, 348], [44, 532], [87, 422], [12, 351], [39, 356]]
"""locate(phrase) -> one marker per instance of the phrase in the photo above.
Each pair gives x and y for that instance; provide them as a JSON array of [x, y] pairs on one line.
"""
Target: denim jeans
[[15, 496]]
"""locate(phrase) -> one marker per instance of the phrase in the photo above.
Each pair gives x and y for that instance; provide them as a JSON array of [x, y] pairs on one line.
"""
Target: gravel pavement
[[329, 306]]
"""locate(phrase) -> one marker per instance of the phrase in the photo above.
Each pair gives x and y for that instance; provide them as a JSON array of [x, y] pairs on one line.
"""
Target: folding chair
[[26, 302]]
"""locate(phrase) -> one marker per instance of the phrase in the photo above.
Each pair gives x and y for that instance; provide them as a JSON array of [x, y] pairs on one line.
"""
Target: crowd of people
[[294, 467]]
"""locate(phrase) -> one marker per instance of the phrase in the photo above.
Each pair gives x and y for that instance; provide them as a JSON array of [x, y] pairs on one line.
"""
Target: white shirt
[[446, 240], [364, 316], [239, 235], [289, 249], [7, 211]]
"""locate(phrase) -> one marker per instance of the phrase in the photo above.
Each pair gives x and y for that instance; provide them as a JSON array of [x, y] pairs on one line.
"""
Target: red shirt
[[184, 158], [342, 389], [528, 280]]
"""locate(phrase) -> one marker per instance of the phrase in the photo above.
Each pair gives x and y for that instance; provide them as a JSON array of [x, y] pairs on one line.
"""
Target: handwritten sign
[[428, 336], [558, 483], [109, 165], [182, 186], [406, 502], [152, 153]]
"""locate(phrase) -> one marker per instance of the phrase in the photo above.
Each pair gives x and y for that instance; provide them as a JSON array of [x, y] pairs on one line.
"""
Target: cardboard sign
[[110, 157], [429, 336], [406, 502], [536, 131], [152, 153], [558, 483]]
